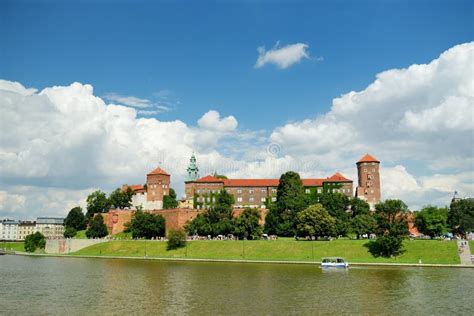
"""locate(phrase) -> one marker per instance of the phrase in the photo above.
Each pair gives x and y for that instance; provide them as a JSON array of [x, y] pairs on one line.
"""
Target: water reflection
[[107, 286]]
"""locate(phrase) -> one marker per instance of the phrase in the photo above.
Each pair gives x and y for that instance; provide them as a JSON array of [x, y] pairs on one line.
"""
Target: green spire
[[193, 170]]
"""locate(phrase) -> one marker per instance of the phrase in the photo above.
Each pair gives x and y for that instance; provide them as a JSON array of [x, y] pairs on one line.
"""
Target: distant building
[[150, 196], [8, 230], [368, 171], [50, 227], [257, 193], [26, 228]]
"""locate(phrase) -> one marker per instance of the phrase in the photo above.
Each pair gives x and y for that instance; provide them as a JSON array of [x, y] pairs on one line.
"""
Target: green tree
[[176, 239], [217, 220], [392, 225], [337, 205], [35, 241], [315, 221], [432, 221], [247, 225], [97, 228], [461, 216], [291, 199], [97, 202], [359, 207], [75, 219], [169, 201], [121, 199], [70, 232], [363, 224], [146, 225]]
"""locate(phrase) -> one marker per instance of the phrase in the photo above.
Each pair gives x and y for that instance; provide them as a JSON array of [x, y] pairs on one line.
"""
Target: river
[[74, 286]]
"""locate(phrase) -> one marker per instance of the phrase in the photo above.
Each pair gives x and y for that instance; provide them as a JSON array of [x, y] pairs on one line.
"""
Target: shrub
[[176, 239], [69, 232], [35, 241], [385, 246]]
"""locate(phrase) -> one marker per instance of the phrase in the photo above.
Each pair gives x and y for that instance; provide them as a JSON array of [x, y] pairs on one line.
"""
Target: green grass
[[123, 235], [471, 246], [14, 245], [81, 234], [429, 251]]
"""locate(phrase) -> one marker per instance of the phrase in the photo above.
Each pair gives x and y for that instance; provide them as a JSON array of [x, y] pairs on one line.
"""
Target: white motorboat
[[334, 262]]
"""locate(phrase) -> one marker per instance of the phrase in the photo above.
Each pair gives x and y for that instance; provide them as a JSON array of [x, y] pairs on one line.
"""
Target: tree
[[359, 207], [35, 241], [315, 221], [176, 239], [146, 225], [336, 204], [247, 225], [290, 193], [97, 228], [70, 232], [75, 219], [461, 216], [391, 217], [432, 221], [291, 199], [363, 224], [169, 201], [121, 198], [97, 202], [218, 220]]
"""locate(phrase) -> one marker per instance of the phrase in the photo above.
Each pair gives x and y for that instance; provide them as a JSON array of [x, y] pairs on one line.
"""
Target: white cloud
[[213, 122], [129, 100], [58, 144], [282, 57]]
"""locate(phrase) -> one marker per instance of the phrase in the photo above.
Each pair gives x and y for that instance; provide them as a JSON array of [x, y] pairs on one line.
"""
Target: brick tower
[[369, 180], [158, 185]]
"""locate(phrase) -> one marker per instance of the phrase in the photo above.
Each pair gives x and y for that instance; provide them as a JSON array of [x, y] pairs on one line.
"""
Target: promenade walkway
[[464, 252]]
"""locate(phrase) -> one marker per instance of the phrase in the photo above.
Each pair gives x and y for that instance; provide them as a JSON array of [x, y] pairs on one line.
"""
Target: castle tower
[[158, 185], [369, 180], [193, 170]]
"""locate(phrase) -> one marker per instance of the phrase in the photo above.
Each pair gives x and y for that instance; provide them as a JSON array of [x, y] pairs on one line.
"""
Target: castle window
[[264, 191], [251, 199], [274, 199], [307, 191], [239, 199], [239, 191], [319, 190], [250, 191], [274, 190], [365, 170], [262, 199]]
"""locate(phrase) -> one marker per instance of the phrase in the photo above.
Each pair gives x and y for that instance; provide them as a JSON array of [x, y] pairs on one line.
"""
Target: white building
[[8, 229], [50, 227]]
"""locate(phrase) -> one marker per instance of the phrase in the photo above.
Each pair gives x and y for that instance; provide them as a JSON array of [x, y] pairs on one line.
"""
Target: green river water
[[74, 286]]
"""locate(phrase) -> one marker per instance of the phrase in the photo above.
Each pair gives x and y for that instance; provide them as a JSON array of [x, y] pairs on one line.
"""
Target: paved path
[[464, 252]]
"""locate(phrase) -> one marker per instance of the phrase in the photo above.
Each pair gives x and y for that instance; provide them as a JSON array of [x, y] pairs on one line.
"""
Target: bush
[[69, 232], [176, 239], [146, 225], [97, 227], [385, 246], [35, 241]]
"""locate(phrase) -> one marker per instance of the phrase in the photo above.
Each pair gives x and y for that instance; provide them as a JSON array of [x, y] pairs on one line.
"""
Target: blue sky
[[95, 94], [204, 52]]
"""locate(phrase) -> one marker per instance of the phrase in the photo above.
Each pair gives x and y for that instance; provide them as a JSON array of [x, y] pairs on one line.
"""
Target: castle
[[200, 193]]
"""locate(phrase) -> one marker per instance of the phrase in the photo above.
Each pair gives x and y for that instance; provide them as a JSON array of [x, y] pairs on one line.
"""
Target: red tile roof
[[312, 182], [136, 187], [251, 182], [337, 177], [270, 182], [367, 158], [158, 171], [210, 179]]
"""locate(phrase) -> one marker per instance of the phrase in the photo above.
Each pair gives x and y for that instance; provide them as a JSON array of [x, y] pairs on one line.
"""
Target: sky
[[96, 94]]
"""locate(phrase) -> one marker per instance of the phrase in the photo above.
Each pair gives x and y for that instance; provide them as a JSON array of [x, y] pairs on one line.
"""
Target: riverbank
[[428, 251]]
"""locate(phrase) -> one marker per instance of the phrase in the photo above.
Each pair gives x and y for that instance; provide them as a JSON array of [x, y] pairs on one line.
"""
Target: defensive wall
[[64, 246]]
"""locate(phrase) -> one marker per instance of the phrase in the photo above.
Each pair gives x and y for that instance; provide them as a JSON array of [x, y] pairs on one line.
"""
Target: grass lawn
[[429, 251], [13, 245], [471, 246], [81, 234]]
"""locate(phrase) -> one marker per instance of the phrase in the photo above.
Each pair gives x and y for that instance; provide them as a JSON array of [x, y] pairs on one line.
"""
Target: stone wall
[[64, 246]]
